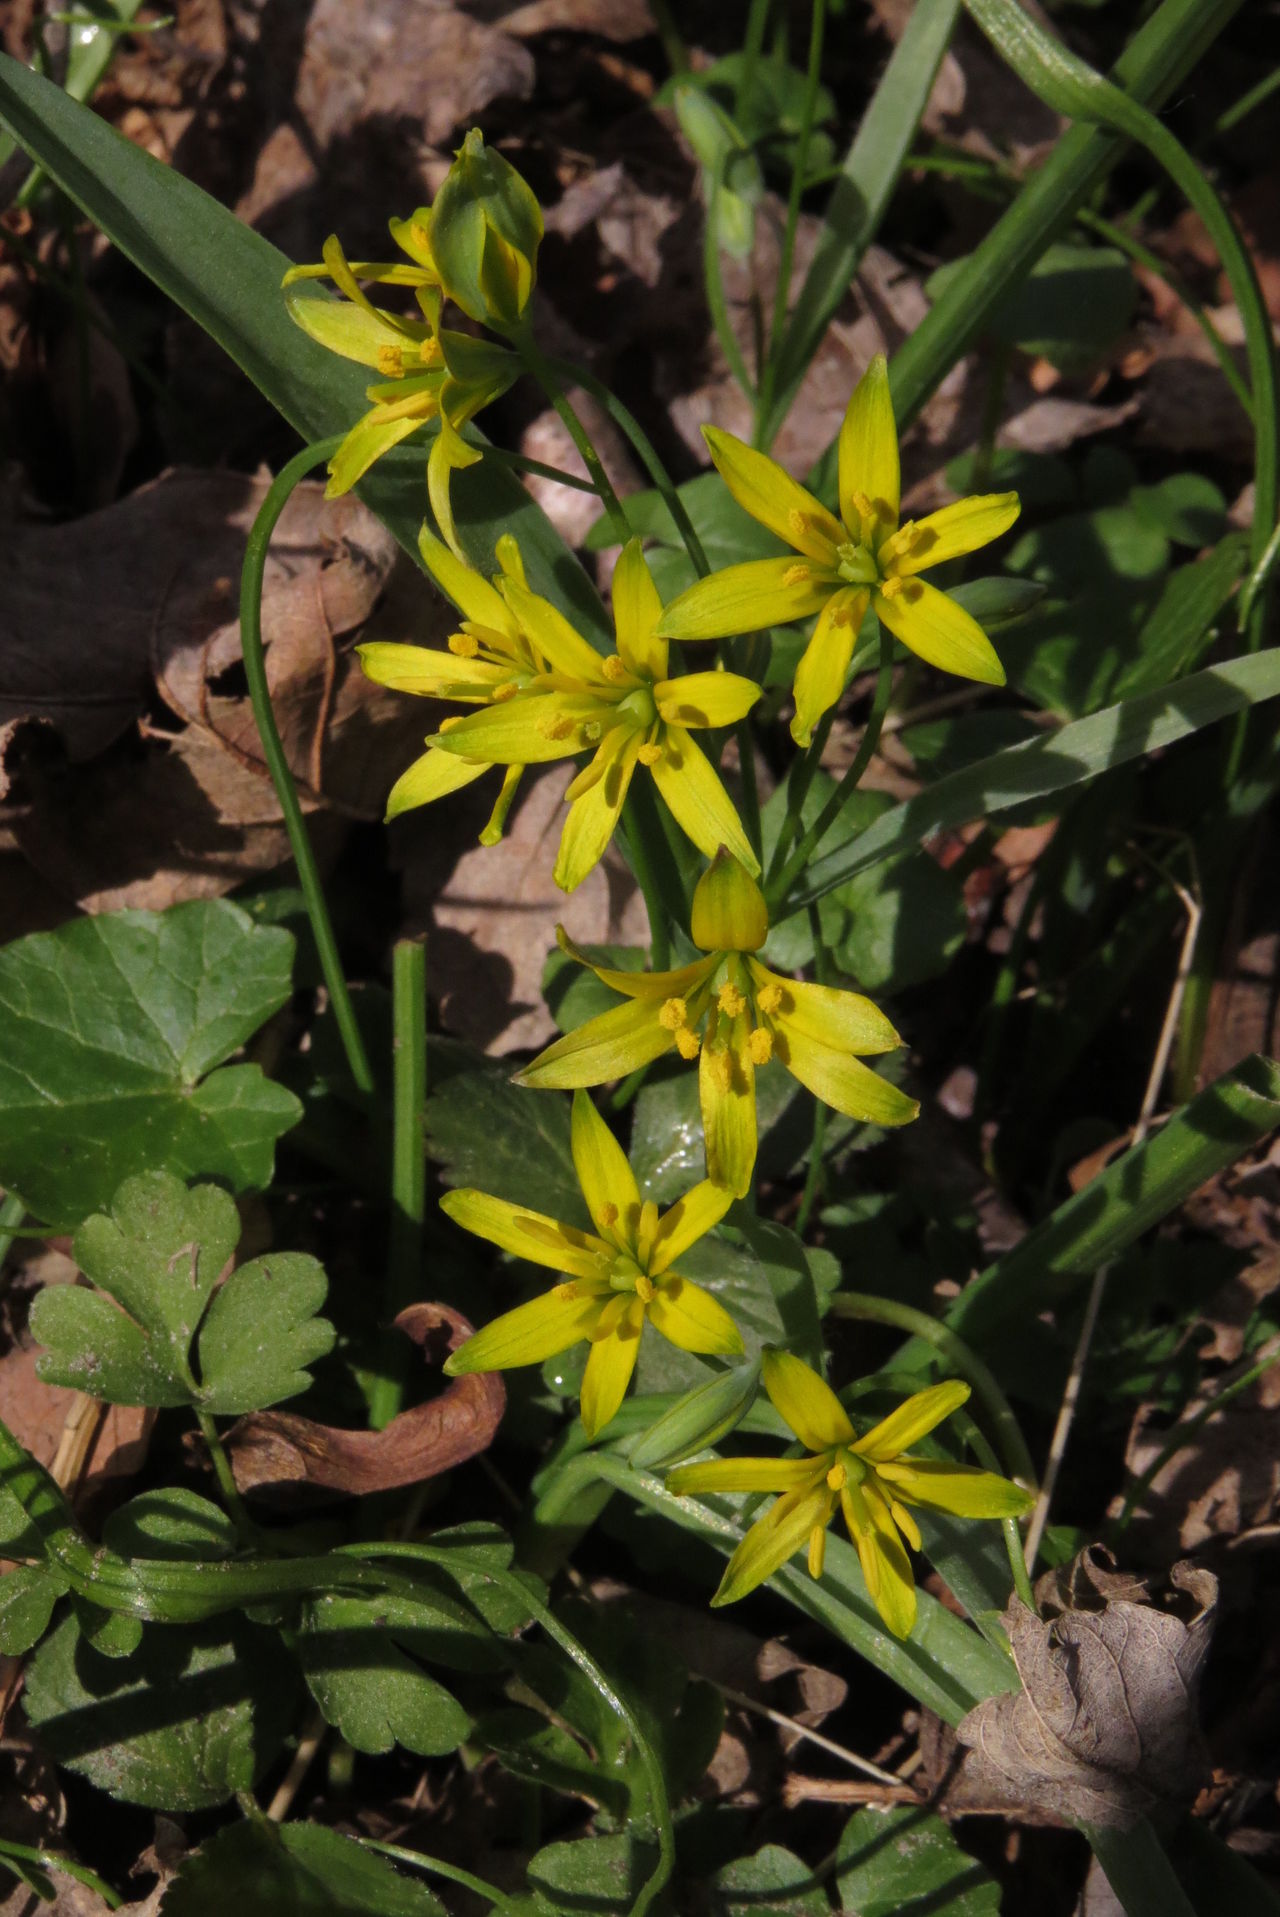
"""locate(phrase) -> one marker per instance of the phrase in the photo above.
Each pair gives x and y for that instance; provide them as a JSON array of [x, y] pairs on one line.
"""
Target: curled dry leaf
[[277, 1452], [1105, 1729]]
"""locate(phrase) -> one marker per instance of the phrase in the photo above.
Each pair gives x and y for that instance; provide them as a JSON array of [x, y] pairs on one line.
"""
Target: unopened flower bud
[[729, 912]]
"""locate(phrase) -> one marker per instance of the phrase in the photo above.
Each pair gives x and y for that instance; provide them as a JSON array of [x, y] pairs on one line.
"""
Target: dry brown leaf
[[277, 1453], [1105, 1728], [619, 20]]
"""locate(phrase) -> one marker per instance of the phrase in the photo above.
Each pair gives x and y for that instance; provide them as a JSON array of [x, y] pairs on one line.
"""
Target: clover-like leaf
[[355, 1655], [155, 1260], [110, 1032]]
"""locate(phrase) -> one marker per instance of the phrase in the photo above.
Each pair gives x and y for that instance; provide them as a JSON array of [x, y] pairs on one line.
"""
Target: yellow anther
[[556, 725], [797, 575], [837, 1477], [455, 719], [688, 1044], [906, 1524], [649, 754], [817, 1550], [391, 362], [614, 669], [892, 587], [608, 1215], [565, 1293], [801, 524], [502, 693], [645, 1289], [842, 616], [769, 998], [431, 353], [674, 1014], [760, 1046], [419, 235], [730, 1000], [464, 645], [720, 1066], [862, 506]]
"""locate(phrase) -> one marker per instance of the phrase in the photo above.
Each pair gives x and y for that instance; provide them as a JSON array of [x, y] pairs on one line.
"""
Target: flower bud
[[698, 1419], [485, 228], [729, 912]]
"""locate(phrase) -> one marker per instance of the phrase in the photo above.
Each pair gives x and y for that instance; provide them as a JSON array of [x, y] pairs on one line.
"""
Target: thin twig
[[846, 1756], [309, 1743]]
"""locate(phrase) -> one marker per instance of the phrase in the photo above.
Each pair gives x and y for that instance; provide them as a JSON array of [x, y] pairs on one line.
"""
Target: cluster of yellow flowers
[[539, 691]]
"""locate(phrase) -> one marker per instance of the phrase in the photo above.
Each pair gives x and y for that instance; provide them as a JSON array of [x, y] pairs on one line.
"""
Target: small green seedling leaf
[[301, 1870], [114, 1032], [773, 1881], [155, 1260], [356, 1656], [27, 1598]]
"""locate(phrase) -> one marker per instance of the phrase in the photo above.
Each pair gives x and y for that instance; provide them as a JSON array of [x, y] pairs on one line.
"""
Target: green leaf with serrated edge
[[260, 1333], [354, 1652], [113, 1033], [501, 1138], [774, 1881], [27, 1597], [1043, 766], [193, 1716], [297, 1870], [888, 1862], [229, 283]]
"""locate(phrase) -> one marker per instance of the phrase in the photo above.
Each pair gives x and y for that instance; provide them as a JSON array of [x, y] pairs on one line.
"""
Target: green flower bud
[[698, 1419], [729, 912], [485, 228]]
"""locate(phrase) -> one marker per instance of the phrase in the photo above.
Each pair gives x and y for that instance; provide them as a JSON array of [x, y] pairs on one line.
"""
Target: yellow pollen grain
[[730, 1000], [645, 1289], [760, 1047], [798, 522], [797, 575], [891, 587], [674, 1014], [501, 694], [649, 754], [591, 730], [391, 362], [557, 725], [863, 505], [688, 1044], [769, 999], [455, 719], [419, 234], [614, 669], [565, 1293], [837, 1477], [608, 1215], [720, 1065], [464, 645]]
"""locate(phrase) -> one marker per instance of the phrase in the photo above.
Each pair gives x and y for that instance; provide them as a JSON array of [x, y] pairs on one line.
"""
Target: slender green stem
[[848, 785], [799, 780], [539, 468], [982, 1451], [408, 1168], [787, 253], [546, 372], [713, 286], [639, 849], [752, 41], [672, 44], [222, 1471], [1136, 1867], [813, 1174], [436, 1867], [255, 666], [1247, 102], [1258, 578], [962, 1358], [1181, 1436], [51, 1860]]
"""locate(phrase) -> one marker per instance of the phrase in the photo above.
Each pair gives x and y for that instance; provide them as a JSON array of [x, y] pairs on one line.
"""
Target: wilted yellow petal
[[689, 1219], [824, 663], [431, 777], [529, 1334], [697, 800], [607, 1180], [840, 1081], [917, 1415], [950, 532], [746, 598], [705, 699], [939, 630], [636, 612], [765, 490], [690, 1317], [868, 452], [529, 1234], [805, 1401]]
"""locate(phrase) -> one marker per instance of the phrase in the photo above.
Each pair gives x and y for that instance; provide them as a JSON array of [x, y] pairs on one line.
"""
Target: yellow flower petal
[[607, 1180], [705, 699], [431, 777], [688, 1316], [367, 441], [940, 631], [824, 664], [744, 1474], [527, 730], [696, 799], [529, 1234], [636, 612], [950, 532], [917, 1415], [777, 1536], [609, 1369], [845, 1021], [746, 598], [806, 1401], [842, 1082], [960, 1488], [606, 1047], [529, 1334], [564, 649], [659, 985], [689, 1219], [727, 1095], [594, 815], [762, 488], [885, 1564], [449, 454], [355, 332], [868, 452], [474, 597], [424, 670]]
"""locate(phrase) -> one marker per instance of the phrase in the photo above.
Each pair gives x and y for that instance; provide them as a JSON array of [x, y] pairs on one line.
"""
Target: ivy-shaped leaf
[[158, 1254], [114, 1032]]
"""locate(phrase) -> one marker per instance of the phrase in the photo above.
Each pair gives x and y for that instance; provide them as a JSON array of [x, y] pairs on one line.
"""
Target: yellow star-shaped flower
[[843, 564], [617, 1277], [868, 1479]]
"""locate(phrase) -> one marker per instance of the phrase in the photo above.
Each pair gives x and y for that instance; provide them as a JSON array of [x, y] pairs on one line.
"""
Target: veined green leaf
[[1040, 767]]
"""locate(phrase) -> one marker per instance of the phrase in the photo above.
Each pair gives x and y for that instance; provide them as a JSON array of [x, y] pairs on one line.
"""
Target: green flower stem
[[982, 1451], [713, 287], [436, 1867], [787, 252], [1139, 1872], [1247, 102], [408, 1169], [799, 780], [813, 1173], [538, 467], [546, 372], [778, 888], [227, 1485], [962, 1359], [579, 1655], [255, 561], [51, 1860], [1180, 1437]]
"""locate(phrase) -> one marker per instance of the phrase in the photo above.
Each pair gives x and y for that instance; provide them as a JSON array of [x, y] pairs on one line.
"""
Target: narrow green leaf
[[1143, 724]]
